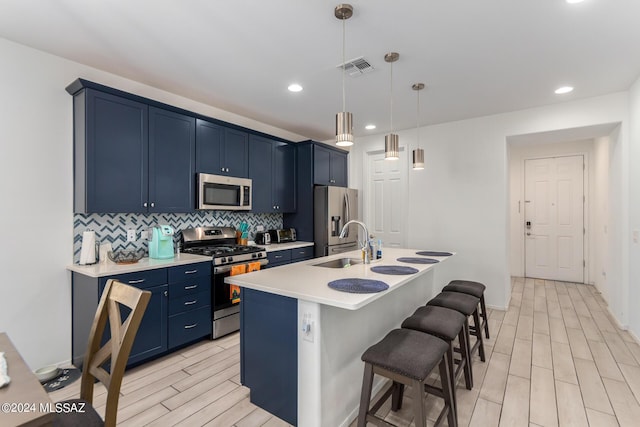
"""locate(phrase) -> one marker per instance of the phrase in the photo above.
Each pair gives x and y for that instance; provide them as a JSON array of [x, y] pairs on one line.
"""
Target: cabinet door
[[261, 173], [235, 153], [209, 139], [116, 143], [171, 161], [339, 176], [284, 182], [151, 338], [321, 165]]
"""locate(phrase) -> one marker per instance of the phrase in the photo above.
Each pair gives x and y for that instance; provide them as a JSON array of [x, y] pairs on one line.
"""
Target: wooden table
[[23, 402]]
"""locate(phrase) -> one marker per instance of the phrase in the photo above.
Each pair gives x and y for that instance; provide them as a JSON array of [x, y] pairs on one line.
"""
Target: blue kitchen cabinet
[[110, 153], [130, 157], [272, 171], [317, 164], [221, 150], [172, 152], [329, 166]]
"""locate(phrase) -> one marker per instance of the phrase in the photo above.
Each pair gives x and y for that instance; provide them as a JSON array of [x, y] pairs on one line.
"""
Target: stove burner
[[222, 250]]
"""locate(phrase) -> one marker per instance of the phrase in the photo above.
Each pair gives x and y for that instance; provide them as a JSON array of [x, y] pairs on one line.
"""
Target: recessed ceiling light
[[574, 1], [295, 87], [370, 127], [564, 89]]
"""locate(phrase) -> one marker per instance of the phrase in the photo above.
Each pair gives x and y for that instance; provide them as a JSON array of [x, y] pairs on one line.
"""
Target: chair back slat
[[118, 348]]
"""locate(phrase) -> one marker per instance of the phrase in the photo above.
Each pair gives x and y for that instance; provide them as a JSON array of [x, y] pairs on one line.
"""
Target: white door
[[554, 218], [385, 205]]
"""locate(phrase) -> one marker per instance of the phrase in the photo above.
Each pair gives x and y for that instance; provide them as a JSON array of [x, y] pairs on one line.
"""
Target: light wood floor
[[555, 358]]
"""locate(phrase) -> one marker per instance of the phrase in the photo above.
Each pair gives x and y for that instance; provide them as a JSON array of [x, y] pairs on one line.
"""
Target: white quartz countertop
[[110, 268], [284, 246], [304, 281]]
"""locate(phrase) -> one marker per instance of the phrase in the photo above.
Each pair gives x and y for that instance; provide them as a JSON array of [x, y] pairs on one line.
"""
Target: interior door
[[386, 208], [554, 218]]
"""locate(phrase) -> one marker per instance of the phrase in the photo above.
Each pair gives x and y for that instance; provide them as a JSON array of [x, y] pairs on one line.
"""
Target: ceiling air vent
[[356, 67]]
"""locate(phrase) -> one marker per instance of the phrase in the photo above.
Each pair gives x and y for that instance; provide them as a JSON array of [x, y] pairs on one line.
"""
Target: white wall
[[518, 153], [36, 189], [460, 201], [634, 207], [600, 214]]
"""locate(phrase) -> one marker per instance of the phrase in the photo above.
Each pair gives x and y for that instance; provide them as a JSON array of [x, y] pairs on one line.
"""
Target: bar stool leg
[[419, 412], [448, 393], [485, 317], [478, 334], [465, 351], [365, 395], [396, 397], [452, 374]]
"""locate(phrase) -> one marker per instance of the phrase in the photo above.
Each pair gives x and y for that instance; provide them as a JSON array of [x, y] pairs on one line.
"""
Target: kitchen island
[[301, 341]]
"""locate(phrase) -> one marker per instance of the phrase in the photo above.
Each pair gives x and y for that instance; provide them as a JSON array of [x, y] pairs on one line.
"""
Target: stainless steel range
[[220, 244]]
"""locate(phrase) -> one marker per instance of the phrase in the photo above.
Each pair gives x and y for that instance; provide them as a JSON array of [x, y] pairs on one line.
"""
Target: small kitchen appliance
[[161, 243], [219, 243], [283, 235], [263, 238]]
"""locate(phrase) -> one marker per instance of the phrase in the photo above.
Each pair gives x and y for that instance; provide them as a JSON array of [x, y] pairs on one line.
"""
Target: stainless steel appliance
[[263, 238], [220, 244], [283, 235], [333, 208], [224, 192]]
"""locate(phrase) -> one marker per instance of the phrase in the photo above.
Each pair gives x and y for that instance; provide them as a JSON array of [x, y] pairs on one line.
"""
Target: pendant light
[[344, 119], [418, 153], [391, 141]]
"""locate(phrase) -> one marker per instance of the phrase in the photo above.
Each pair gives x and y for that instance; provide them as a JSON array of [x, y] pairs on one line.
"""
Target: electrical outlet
[[308, 328], [131, 235], [260, 228]]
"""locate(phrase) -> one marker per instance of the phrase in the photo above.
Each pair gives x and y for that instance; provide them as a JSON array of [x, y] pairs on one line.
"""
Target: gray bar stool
[[446, 324], [477, 290], [406, 357], [467, 305]]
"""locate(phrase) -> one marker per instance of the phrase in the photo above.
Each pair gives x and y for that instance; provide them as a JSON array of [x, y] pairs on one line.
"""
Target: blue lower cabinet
[[151, 338], [269, 352], [189, 326]]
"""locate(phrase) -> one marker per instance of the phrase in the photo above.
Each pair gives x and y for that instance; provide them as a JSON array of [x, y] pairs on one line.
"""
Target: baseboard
[[495, 307], [635, 338], [617, 322]]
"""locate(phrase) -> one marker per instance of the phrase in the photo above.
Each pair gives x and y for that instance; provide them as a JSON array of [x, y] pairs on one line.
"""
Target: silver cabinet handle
[[277, 256], [134, 282], [227, 169], [152, 204], [166, 293], [191, 302], [191, 271], [191, 326], [144, 204], [186, 288], [221, 169]]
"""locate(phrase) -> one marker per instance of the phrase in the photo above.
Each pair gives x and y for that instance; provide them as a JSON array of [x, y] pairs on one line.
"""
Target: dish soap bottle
[[379, 251]]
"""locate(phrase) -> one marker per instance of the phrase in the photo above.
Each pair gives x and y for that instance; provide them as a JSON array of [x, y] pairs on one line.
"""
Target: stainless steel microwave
[[224, 192]]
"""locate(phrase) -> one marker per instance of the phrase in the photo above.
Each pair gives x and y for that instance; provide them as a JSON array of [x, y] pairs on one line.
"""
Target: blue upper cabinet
[[130, 157], [272, 171], [110, 153], [172, 148], [329, 166], [221, 150]]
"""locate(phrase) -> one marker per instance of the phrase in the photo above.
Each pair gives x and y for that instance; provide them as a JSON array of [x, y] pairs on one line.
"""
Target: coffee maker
[[161, 243]]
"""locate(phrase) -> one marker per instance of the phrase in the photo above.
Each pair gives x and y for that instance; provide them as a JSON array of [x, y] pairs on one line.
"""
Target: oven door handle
[[227, 268]]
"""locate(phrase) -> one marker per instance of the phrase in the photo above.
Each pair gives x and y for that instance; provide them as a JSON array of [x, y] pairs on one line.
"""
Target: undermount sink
[[339, 263]]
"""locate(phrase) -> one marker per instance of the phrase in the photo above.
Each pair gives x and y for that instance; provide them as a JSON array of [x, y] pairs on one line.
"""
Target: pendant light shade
[[344, 119], [344, 129], [391, 141], [418, 153], [391, 147]]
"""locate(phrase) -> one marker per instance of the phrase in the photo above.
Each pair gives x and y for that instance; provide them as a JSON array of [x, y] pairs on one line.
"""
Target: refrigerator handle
[[345, 212]]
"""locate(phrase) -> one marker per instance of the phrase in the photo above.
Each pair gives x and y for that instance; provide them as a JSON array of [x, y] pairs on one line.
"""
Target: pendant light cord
[[344, 102], [391, 97], [418, 120]]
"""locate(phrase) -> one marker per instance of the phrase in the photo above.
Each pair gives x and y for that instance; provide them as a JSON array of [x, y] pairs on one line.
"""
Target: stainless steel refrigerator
[[333, 208]]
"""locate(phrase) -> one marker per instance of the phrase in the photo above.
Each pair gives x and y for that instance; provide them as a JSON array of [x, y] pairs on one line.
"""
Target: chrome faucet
[[364, 243]]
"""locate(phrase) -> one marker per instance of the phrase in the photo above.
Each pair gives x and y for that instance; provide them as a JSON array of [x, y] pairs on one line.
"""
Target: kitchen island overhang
[[301, 341]]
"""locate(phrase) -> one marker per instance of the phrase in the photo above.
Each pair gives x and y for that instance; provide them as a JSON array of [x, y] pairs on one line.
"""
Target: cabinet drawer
[[184, 272], [139, 279], [189, 326], [279, 257], [189, 302], [299, 254], [192, 286]]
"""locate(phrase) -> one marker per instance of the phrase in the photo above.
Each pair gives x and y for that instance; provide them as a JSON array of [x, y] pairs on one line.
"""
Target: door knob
[[528, 234]]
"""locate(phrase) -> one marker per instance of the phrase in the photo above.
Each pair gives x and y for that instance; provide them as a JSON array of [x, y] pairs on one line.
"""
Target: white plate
[[47, 373]]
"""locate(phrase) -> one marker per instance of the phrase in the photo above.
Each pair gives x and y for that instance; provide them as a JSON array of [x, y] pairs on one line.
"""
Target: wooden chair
[[116, 351]]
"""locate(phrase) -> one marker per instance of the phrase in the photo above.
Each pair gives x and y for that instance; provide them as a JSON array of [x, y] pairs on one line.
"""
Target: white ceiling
[[477, 57]]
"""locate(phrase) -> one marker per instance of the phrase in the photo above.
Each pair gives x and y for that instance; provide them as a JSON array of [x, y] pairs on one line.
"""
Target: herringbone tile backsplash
[[113, 228]]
